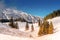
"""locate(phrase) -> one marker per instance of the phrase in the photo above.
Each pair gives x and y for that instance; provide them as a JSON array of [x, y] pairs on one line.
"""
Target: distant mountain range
[[16, 14]]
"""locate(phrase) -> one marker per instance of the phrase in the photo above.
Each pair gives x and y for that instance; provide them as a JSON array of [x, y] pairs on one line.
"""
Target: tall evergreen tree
[[39, 22], [41, 30], [50, 29], [11, 22], [27, 26], [46, 25], [32, 28]]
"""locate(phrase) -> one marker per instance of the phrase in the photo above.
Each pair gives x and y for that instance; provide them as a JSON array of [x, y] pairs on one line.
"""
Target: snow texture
[[21, 34]]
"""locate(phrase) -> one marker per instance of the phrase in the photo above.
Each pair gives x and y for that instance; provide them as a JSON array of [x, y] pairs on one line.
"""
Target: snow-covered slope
[[56, 23], [5, 29], [8, 13], [4, 26], [21, 34], [15, 34]]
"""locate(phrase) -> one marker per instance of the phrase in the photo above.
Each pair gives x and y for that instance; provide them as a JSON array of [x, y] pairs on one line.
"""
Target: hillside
[[52, 15]]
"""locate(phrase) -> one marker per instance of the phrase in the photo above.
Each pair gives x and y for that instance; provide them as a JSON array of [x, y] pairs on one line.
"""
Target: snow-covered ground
[[22, 34]]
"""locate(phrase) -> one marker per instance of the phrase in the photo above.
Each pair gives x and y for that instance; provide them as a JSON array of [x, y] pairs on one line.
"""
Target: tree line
[[15, 25], [52, 15]]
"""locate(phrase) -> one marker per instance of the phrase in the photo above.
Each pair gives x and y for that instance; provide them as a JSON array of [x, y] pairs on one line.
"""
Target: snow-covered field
[[21, 34]]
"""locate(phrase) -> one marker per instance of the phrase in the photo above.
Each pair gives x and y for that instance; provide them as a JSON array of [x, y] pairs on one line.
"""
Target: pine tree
[[32, 28], [11, 22], [41, 29], [46, 25], [50, 29], [39, 22], [27, 26], [44, 28]]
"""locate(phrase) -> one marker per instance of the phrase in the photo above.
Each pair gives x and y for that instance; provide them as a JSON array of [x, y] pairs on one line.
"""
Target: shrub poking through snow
[[27, 26]]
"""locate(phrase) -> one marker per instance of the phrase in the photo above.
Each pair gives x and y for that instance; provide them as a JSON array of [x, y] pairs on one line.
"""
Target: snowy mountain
[[8, 13]]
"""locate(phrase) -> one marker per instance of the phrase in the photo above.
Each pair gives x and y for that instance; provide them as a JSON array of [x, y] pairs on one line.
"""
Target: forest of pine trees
[[45, 28], [52, 15]]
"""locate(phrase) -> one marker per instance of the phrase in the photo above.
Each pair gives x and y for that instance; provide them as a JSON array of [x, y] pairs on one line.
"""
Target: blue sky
[[33, 7]]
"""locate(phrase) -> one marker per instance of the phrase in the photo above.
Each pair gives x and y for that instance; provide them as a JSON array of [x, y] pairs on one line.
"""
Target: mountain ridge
[[8, 13]]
